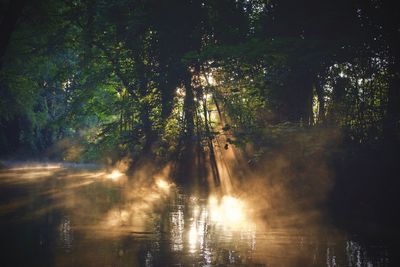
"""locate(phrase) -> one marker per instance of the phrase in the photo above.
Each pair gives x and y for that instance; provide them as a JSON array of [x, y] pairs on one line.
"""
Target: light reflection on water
[[90, 218], [66, 233], [196, 237]]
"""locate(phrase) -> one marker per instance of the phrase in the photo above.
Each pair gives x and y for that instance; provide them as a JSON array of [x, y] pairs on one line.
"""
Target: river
[[59, 215]]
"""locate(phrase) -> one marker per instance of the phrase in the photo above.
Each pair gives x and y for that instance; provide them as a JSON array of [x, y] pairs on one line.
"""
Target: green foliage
[[118, 77]]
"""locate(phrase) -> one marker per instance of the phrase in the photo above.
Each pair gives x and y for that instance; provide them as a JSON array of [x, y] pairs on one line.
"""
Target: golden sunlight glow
[[117, 218], [229, 210], [37, 166], [225, 214], [193, 237], [142, 198], [208, 79], [180, 92], [115, 175], [162, 184]]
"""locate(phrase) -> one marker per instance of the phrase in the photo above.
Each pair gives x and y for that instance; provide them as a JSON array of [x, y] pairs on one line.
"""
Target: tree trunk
[[147, 124], [186, 170], [298, 98], [189, 108], [338, 93], [321, 102]]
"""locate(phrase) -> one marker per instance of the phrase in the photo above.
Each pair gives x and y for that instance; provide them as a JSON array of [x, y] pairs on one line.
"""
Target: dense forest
[[159, 126], [164, 81]]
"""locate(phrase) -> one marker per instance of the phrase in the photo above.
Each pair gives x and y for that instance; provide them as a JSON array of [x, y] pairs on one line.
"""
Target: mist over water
[[57, 215]]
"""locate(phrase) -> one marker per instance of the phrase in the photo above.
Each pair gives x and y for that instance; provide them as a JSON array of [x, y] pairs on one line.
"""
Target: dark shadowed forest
[[287, 111]]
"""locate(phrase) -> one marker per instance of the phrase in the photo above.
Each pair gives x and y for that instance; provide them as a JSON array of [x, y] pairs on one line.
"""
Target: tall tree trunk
[[298, 97], [189, 108], [167, 83], [144, 109], [186, 170], [321, 102], [308, 115], [167, 97], [338, 93]]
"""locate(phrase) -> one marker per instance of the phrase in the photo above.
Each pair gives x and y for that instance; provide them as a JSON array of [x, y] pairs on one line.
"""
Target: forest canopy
[[96, 80]]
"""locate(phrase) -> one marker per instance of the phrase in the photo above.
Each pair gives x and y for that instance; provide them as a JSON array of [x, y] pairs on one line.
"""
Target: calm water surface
[[63, 216]]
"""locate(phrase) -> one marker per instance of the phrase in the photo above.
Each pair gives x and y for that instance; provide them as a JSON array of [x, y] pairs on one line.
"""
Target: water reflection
[[357, 255], [218, 231], [66, 233], [67, 217], [177, 228]]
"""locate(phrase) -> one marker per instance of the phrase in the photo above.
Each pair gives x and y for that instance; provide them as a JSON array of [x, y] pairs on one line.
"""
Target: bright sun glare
[[115, 175], [162, 184], [229, 210]]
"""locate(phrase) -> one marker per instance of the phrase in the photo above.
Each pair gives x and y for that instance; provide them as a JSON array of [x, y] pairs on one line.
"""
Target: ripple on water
[[95, 218]]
